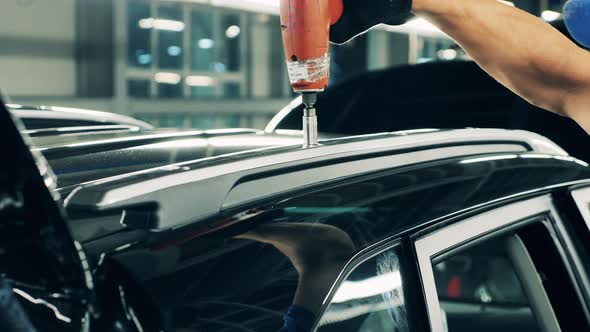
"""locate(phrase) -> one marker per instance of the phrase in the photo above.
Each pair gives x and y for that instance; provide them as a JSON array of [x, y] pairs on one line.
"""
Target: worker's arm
[[519, 50]]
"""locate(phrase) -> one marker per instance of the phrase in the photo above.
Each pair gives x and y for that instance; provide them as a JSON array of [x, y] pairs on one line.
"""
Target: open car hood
[[42, 264]]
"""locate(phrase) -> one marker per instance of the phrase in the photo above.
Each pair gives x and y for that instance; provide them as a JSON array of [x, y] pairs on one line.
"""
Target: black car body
[[458, 230]]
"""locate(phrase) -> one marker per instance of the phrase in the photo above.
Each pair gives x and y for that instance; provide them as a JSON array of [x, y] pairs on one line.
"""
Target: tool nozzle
[[310, 120], [309, 99]]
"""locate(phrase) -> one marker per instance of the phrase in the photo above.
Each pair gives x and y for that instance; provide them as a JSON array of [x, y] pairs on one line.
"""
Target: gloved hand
[[361, 15]]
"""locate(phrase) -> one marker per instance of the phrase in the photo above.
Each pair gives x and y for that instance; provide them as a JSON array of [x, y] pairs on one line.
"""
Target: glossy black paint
[[369, 208], [85, 143], [37, 253], [185, 278], [99, 160]]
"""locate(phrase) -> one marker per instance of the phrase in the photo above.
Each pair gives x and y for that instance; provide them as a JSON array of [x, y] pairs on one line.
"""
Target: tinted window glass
[[202, 40], [166, 90], [246, 283], [477, 286], [231, 90], [138, 88], [170, 31], [516, 281], [202, 92], [232, 35], [139, 44], [481, 275], [371, 299]]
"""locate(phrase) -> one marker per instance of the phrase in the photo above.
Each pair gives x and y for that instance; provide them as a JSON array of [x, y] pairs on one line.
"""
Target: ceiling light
[[161, 24], [144, 59], [167, 78], [206, 43], [448, 54], [259, 6], [174, 50], [550, 15], [509, 3], [232, 31], [200, 81]]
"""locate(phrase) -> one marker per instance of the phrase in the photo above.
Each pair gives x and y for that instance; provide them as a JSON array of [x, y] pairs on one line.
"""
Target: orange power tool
[[306, 39]]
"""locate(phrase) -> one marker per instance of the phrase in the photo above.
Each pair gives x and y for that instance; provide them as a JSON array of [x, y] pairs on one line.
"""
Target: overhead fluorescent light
[[550, 15], [200, 80], [167, 78], [174, 50], [509, 3], [418, 26], [206, 43], [259, 6], [161, 24], [447, 54], [233, 31]]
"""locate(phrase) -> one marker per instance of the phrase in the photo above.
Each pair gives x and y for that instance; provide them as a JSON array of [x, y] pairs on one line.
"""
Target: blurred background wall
[[190, 64]]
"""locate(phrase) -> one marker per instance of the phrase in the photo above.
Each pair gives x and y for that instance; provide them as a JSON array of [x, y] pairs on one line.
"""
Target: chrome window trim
[[464, 231], [563, 240], [582, 199]]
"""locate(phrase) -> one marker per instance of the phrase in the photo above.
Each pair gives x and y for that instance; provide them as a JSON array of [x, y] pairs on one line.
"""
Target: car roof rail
[[145, 138], [225, 182]]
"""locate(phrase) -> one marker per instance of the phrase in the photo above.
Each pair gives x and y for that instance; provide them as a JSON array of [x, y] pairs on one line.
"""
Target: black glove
[[361, 15]]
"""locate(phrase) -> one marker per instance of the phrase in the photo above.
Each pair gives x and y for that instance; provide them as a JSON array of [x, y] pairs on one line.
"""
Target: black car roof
[[227, 181], [84, 157], [74, 114], [90, 142]]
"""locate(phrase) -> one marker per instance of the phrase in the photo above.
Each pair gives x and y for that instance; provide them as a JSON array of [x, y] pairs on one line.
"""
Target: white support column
[[378, 50], [260, 60]]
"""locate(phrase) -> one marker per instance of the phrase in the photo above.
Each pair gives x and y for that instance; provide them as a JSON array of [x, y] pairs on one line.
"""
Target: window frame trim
[[433, 244], [581, 199]]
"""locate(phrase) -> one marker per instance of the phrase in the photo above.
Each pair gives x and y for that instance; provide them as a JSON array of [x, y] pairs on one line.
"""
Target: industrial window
[[185, 50]]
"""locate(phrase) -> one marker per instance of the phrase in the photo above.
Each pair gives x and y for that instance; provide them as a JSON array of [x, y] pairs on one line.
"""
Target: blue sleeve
[[298, 319], [12, 316]]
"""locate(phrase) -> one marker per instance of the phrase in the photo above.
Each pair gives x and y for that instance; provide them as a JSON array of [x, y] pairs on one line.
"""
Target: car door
[[502, 270]]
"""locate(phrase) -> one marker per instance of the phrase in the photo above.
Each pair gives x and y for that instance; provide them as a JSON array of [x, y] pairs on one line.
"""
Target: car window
[[481, 275], [370, 299], [246, 281], [478, 285], [501, 271]]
